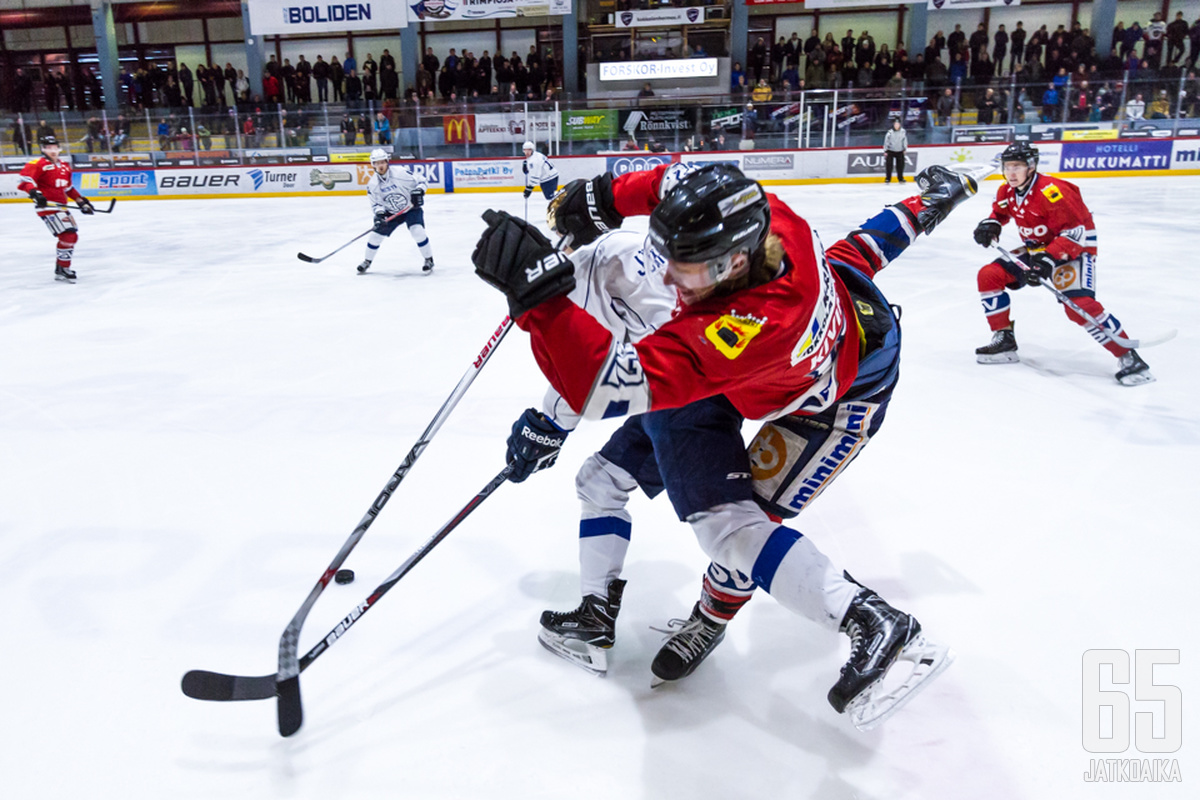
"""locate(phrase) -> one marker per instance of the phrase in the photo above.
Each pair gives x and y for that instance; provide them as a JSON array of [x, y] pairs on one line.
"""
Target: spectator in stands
[[1050, 102], [946, 106], [96, 134], [320, 73], [737, 78], [271, 89], [389, 82], [791, 77], [956, 42], [758, 59], [864, 51], [22, 137], [958, 69], [1135, 108], [778, 57], [814, 70], [337, 78], [353, 88], [1160, 107], [762, 92], [349, 64], [987, 106], [186, 82], [646, 91], [749, 126], [383, 129], [242, 88], [1000, 49], [249, 131], [1194, 38], [349, 130], [164, 134]]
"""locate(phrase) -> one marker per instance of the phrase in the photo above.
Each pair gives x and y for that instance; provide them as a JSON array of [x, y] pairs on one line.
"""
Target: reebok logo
[[537, 438]]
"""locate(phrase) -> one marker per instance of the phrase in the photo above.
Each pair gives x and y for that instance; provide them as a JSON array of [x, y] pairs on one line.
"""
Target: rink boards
[[1099, 158]]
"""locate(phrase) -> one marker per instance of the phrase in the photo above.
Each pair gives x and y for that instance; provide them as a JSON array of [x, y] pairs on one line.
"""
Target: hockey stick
[[290, 711], [112, 202], [1129, 344], [318, 260], [196, 684]]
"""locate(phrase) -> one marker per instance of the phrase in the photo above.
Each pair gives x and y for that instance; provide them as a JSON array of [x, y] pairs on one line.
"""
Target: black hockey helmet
[[713, 212], [49, 140], [1020, 151]]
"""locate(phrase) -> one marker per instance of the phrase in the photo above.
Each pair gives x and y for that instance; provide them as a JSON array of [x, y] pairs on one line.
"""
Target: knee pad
[[603, 488], [994, 277]]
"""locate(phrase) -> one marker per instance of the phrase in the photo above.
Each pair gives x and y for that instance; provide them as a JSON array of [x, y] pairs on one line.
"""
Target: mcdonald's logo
[[459, 128]]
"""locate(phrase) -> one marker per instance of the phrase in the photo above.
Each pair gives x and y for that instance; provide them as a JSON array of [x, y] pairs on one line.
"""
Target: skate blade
[[1137, 379], [64, 279], [997, 358], [876, 705], [587, 657]]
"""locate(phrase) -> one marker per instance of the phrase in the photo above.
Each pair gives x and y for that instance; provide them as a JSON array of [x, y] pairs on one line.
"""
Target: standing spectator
[[349, 64], [793, 51], [895, 144], [241, 88], [353, 88], [864, 52], [337, 77], [271, 89], [389, 82], [287, 77], [22, 136], [303, 81], [1000, 49], [758, 59], [186, 82], [646, 91], [1156, 34], [848, 44], [231, 76], [383, 129], [736, 77], [218, 81], [164, 135], [96, 134], [320, 72], [386, 60], [1194, 38], [369, 66], [956, 42], [43, 130], [810, 44], [365, 128], [51, 91], [249, 131], [778, 56], [1131, 39], [431, 63], [1017, 42]]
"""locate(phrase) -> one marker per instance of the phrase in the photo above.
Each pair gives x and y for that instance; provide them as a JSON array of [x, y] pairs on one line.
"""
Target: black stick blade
[[305, 257], [291, 714], [202, 685]]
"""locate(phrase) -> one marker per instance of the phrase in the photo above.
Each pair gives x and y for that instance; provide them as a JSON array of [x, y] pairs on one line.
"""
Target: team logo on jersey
[[1064, 276], [732, 332], [395, 202], [768, 453], [1052, 193]]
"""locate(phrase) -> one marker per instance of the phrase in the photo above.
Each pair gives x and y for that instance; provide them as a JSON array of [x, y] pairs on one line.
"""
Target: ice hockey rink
[[190, 433]]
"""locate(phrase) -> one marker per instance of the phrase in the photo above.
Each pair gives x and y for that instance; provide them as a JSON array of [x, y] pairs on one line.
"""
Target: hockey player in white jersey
[[397, 197], [539, 173]]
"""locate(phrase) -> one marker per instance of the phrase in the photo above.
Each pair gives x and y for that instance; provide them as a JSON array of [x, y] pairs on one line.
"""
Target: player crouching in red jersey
[[1060, 246], [48, 180]]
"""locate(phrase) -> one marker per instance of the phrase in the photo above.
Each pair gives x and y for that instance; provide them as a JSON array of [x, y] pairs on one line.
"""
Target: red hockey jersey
[[788, 346], [51, 178], [1050, 215]]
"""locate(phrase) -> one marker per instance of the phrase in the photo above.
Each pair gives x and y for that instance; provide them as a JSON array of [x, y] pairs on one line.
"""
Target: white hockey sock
[[604, 525], [422, 240], [373, 242], [808, 583]]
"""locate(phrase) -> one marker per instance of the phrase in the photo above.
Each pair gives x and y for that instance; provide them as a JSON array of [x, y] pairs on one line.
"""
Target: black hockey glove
[[38, 198], [584, 209], [525, 167], [418, 198], [86, 206], [381, 223], [519, 260], [1041, 267], [942, 190], [987, 232], [533, 445], [528, 191]]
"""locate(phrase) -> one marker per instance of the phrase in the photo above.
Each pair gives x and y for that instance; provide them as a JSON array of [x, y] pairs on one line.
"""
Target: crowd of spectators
[[1058, 72]]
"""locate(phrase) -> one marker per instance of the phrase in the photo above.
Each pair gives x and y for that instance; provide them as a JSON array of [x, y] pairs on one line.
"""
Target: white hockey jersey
[[392, 193], [540, 170], [619, 282]]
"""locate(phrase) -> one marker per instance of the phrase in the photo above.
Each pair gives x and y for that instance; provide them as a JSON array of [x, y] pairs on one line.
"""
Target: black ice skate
[[687, 647], [881, 636], [428, 268], [1002, 350], [363, 267], [584, 635], [64, 274], [1134, 371]]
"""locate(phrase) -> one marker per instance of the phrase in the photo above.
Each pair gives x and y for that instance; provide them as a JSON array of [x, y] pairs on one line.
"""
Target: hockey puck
[[344, 576]]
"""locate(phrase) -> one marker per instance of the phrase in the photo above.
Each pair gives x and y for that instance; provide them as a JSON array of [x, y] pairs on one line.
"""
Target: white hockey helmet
[[528, 146], [379, 154]]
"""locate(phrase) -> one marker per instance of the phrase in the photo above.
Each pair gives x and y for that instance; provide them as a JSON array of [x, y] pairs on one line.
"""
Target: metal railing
[[819, 118]]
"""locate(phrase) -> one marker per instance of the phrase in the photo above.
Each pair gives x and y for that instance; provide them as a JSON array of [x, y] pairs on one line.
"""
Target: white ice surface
[[189, 434]]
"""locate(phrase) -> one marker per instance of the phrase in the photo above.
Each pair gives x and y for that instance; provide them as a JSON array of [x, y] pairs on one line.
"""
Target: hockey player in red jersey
[[48, 180], [1060, 246], [770, 326]]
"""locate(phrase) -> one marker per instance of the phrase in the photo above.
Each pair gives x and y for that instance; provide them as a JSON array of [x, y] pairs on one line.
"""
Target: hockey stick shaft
[[1131, 344], [290, 710], [204, 685], [318, 260], [112, 202]]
